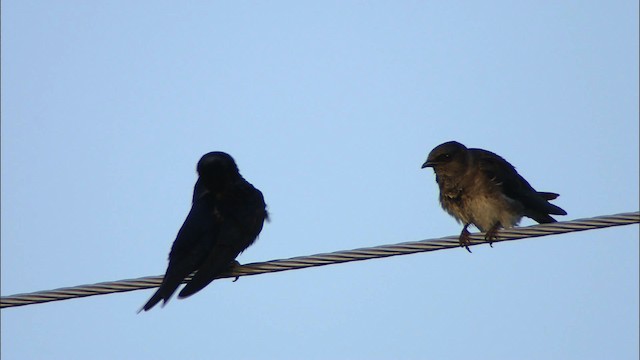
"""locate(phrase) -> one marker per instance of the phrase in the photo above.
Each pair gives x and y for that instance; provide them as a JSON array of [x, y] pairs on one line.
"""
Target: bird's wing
[[198, 191], [194, 241], [500, 172], [240, 221], [514, 186]]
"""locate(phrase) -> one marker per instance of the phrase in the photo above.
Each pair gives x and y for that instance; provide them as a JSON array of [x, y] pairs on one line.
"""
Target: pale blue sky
[[329, 108]]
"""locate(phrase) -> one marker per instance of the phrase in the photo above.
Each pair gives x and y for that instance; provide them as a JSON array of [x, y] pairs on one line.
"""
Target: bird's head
[[217, 170], [447, 159]]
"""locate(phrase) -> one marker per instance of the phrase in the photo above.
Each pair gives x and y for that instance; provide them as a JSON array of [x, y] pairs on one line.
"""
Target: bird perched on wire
[[226, 217], [481, 188]]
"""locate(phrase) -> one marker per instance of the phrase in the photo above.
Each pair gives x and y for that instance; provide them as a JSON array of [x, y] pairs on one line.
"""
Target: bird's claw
[[464, 239], [492, 234], [232, 265]]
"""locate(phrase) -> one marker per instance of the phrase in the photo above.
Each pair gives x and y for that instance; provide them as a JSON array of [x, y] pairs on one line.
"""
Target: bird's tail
[[155, 299], [165, 291], [543, 209], [548, 195], [217, 263], [550, 208], [543, 218], [555, 210]]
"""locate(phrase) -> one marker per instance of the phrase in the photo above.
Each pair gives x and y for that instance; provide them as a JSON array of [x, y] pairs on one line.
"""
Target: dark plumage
[[226, 217], [481, 188]]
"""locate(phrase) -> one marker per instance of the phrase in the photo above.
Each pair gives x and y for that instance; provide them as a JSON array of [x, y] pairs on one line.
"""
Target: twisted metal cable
[[302, 262]]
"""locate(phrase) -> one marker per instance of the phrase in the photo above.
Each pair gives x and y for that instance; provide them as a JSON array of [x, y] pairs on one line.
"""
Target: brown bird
[[481, 188], [226, 217]]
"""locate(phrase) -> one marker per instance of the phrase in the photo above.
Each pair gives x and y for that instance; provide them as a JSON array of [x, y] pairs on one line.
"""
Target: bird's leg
[[492, 233], [464, 238], [232, 265]]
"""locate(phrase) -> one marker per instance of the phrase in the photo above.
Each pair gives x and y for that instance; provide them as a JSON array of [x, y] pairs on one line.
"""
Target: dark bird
[[226, 216], [481, 188]]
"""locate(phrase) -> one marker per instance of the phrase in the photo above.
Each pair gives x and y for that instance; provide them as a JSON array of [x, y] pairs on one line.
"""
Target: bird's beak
[[428, 164]]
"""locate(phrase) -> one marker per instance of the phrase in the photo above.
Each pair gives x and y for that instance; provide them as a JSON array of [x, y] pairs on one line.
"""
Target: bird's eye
[[444, 157]]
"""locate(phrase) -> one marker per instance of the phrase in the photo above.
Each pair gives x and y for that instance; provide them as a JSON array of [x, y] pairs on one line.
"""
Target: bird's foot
[[232, 265], [492, 234], [464, 238]]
